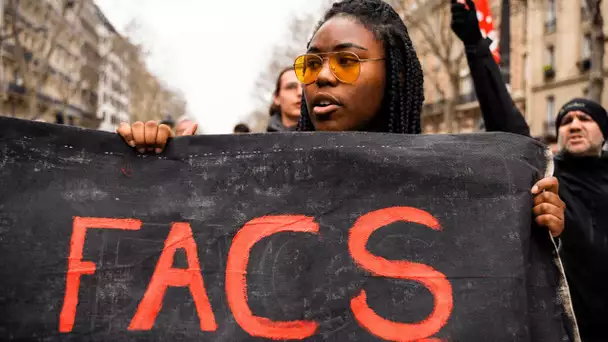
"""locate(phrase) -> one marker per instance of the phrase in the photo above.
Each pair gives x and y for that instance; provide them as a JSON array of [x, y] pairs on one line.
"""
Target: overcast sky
[[210, 49]]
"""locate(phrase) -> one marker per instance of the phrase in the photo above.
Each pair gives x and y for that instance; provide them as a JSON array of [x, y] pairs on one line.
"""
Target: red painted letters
[[236, 277], [78, 267], [433, 280], [255, 230], [165, 275]]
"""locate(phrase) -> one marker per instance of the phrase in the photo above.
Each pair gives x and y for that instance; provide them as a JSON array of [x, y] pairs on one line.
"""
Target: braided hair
[[403, 93]]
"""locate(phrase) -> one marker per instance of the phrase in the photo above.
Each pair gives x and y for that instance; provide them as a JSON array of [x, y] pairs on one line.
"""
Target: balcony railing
[[584, 64], [433, 107], [45, 99], [549, 127], [549, 72], [438, 106], [467, 98]]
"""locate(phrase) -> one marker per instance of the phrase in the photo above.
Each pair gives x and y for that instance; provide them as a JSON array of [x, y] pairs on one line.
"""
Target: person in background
[[372, 81], [286, 102], [582, 128], [185, 126], [241, 128], [169, 122], [582, 171]]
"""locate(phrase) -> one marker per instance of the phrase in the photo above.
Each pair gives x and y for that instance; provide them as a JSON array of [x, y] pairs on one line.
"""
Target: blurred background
[[96, 63]]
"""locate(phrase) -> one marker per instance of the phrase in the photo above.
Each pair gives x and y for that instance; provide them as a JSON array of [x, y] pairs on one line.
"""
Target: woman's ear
[[275, 100]]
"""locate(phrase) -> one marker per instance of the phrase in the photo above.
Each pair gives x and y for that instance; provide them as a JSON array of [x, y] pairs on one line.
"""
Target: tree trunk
[[452, 102], [32, 104], [596, 73], [448, 114]]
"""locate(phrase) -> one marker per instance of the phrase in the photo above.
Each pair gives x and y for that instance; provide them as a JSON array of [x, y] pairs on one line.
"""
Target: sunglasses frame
[[329, 54]]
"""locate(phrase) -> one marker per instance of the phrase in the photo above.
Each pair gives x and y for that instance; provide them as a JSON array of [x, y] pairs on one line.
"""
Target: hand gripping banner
[[307, 236]]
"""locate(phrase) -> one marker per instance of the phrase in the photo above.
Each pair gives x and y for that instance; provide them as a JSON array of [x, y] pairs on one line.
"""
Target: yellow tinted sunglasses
[[344, 65]]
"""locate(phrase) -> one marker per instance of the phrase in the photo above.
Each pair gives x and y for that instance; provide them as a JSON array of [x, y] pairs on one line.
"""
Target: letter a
[[165, 275]]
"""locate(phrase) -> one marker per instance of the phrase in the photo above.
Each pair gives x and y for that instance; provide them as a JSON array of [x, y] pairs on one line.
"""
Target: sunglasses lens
[[346, 66], [307, 68]]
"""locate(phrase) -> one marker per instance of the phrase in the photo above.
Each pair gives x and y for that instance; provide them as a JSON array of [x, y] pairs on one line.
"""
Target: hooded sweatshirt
[[276, 124]]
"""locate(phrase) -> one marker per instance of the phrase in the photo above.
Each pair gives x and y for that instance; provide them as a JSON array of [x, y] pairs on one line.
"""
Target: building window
[[59, 118], [70, 120], [551, 56], [550, 23], [549, 68], [550, 108], [526, 68], [584, 9], [586, 47]]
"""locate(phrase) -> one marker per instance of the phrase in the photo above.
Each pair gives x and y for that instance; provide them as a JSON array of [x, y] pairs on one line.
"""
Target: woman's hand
[[149, 136], [548, 207]]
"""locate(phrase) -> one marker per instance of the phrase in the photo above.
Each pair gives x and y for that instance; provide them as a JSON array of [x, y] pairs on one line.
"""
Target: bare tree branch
[[432, 20], [33, 64], [433, 79], [282, 55]]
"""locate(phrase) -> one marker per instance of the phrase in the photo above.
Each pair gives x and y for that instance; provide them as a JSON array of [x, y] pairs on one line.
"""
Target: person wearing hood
[[582, 171], [286, 102], [185, 126]]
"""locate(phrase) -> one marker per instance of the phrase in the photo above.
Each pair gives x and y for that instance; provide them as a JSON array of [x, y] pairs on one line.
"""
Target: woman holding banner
[[373, 82]]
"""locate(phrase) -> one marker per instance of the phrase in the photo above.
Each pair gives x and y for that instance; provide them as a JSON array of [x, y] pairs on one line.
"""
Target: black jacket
[[584, 243], [497, 108], [584, 189]]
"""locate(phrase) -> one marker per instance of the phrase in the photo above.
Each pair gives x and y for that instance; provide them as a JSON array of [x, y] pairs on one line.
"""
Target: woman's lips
[[325, 110]]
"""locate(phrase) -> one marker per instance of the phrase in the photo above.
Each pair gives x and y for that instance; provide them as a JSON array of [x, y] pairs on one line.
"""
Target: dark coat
[[584, 189]]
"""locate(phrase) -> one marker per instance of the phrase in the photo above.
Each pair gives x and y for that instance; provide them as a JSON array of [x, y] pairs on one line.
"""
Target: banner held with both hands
[[308, 236]]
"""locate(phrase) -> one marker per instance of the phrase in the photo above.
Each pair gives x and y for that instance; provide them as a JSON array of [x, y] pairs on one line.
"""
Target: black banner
[[312, 236]]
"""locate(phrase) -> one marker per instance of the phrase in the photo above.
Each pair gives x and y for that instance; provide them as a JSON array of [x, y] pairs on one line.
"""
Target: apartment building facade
[[41, 61], [67, 64], [549, 62], [558, 59], [450, 100], [114, 92]]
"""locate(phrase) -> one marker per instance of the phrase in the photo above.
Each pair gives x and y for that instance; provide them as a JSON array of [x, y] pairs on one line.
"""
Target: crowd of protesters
[[361, 73]]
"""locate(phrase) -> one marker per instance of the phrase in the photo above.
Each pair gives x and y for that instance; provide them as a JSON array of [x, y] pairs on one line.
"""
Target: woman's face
[[352, 106]]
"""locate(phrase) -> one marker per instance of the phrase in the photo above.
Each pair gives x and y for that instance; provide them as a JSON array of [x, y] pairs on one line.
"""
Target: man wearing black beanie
[[582, 127]]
